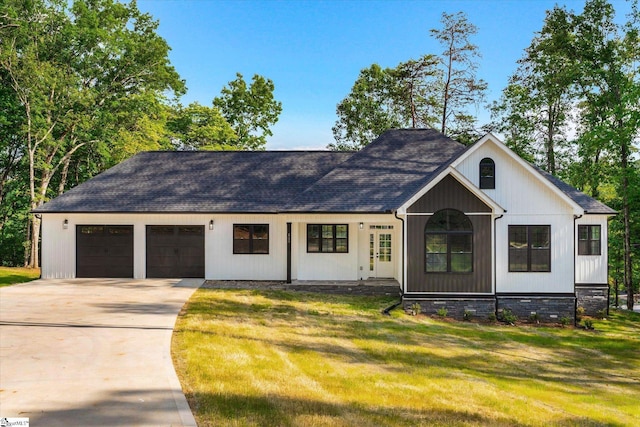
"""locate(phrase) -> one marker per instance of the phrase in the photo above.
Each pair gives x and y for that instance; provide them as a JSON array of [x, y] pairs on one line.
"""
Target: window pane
[[517, 236], [313, 245], [583, 247], [486, 171], [518, 260], [460, 243], [241, 246], [260, 231], [436, 243], [540, 260], [341, 231], [595, 247], [540, 237], [327, 245], [327, 231], [583, 232], [461, 263], [241, 232], [436, 262], [595, 232], [261, 246], [341, 245], [313, 231], [371, 251]]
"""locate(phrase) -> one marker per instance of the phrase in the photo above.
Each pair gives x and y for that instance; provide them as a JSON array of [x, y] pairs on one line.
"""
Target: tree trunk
[[63, 175], [628, 270], [34, 258]]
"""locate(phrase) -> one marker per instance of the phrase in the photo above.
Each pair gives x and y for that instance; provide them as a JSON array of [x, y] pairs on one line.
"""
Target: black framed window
[[589, 240], [448, 239], [487, 173], [250, 238], [328, 238], [529, 248]]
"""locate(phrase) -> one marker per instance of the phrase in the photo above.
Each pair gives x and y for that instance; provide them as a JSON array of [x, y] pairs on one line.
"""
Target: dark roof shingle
[[379, 178]]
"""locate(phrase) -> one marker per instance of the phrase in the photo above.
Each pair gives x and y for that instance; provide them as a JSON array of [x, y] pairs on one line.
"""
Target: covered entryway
[[175, 251], [104, 251]]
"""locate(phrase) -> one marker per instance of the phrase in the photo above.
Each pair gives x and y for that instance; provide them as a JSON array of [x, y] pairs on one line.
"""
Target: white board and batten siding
[[59, 244], [527, 201], [592, 269], [59, 247], [340, 266]]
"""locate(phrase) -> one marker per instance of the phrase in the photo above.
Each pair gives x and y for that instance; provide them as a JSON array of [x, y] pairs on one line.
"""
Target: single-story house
[[473, 229]]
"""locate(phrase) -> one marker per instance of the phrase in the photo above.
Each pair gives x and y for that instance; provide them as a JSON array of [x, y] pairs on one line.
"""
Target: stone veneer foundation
[[593, 298], [479, 308], [549, 309]]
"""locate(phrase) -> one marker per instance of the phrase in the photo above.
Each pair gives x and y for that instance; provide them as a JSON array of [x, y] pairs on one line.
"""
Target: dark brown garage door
[[175, 251], [104, 251]]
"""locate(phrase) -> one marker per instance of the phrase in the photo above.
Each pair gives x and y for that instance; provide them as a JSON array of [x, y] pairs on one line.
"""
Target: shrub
[[565, 320], [601, 314], [492, 317], [579, 313], [467, 315], [534, 318], [442, 312], [507, 316], [415, 309], [588, 324]]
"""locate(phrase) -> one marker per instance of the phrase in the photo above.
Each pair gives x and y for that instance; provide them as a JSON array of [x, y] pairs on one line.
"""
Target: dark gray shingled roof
[[379, 178], [383, 175], [589, 204], [199, 181]]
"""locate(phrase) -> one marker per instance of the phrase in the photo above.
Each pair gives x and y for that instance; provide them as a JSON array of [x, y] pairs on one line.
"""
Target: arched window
[[487, 173], [448, 238]]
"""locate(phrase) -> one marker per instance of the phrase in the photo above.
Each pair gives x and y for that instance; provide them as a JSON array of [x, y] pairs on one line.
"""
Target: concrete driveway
[[92, 352]]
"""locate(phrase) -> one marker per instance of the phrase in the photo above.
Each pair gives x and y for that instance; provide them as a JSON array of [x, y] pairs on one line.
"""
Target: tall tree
[[197, 127], [461, 86], [250, 110], [512, 115], [387, 98], [539, 97], [608, 80], [75, 68]]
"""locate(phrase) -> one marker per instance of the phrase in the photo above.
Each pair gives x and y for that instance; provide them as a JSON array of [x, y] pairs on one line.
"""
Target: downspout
[[391, 307], [495, 264], [395, 213], [575, 303]]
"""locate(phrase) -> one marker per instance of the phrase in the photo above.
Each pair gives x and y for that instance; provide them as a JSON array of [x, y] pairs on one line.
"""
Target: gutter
[[575, 249]]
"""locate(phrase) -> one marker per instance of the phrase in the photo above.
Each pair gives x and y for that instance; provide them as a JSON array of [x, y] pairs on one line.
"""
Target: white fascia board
[[577, 209], [495, 207]]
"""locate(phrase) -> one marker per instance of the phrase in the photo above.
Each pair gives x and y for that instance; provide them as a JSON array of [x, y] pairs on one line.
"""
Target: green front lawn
[[13, 275], [276, 358]]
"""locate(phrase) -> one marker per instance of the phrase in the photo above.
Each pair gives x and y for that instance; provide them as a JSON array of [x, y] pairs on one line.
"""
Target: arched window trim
[[449, 250], [487, 172]]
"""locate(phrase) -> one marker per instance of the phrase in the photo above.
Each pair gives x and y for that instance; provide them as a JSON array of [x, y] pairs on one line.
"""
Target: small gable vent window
[[487, 173]]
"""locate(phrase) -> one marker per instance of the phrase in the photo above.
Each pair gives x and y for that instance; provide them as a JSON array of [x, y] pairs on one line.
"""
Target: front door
[[381, 256]]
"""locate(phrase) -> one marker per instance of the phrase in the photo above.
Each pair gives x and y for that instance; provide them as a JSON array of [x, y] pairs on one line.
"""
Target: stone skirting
[[478, 308], [547, 309], [593, 298]]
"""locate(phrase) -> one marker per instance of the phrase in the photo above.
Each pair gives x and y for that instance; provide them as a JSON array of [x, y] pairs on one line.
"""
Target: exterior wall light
[[65, 224], [211, 225], [362, 226]]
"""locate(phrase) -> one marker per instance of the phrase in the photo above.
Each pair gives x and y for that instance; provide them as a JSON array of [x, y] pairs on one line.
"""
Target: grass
[[13, 275], [277, 358]]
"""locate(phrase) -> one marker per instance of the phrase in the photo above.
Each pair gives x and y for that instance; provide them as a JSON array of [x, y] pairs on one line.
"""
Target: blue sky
[[314, 50]]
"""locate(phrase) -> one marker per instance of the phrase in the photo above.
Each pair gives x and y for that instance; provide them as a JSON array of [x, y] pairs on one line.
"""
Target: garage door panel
[[175, 251], [104, 251]]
